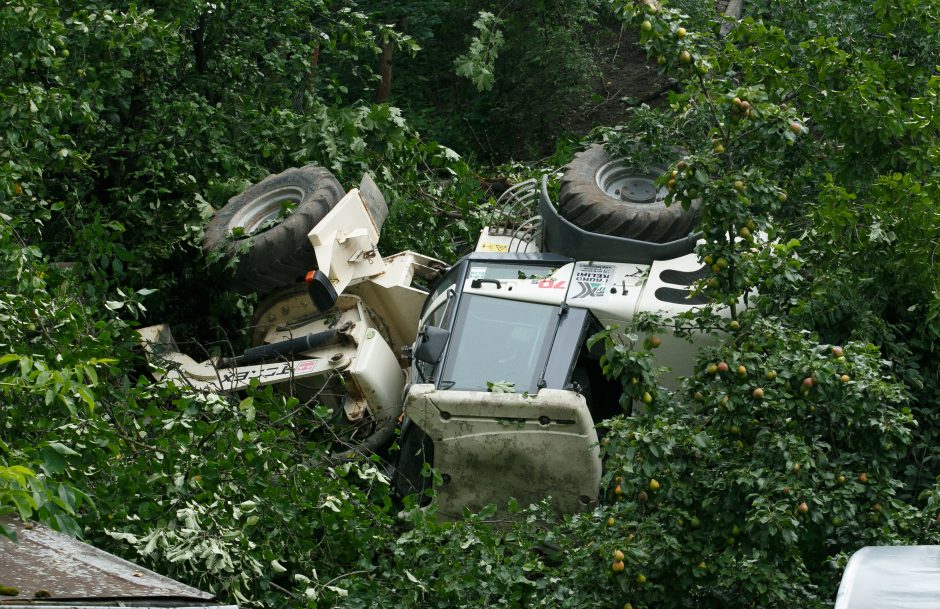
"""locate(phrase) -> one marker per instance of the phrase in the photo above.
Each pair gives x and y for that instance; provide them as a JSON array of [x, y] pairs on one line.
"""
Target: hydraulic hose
[[301, 344]]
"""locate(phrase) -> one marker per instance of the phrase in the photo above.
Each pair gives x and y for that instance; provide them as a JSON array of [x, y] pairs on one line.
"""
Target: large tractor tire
[[265, 227], [601, 195]]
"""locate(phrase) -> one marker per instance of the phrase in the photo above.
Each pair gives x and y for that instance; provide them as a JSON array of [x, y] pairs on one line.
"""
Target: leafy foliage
[[477, 63], [497, 80], [762, 477], [813, 123], [255, 519]]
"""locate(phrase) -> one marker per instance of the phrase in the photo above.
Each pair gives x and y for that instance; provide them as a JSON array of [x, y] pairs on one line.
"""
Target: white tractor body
[[490, 372]]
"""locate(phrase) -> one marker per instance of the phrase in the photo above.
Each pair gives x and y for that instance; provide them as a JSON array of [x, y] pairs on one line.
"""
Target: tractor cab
[[504, 383]]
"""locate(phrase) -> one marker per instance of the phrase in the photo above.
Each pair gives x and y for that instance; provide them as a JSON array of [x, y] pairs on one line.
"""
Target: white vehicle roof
[[891, 577]]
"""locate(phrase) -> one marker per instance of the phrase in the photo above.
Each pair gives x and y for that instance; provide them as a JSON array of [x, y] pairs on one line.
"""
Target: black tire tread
[[280, 255], [582, 202]]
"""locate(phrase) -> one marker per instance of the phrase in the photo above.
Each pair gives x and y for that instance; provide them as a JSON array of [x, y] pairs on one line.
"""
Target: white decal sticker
[[591, 281]]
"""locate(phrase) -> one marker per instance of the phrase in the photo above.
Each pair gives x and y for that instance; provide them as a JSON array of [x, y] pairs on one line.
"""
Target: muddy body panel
[[490, 447]]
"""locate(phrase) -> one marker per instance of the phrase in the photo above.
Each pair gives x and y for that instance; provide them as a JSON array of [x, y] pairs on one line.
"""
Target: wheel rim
[[263, 212], [286, 307], [628, 184]]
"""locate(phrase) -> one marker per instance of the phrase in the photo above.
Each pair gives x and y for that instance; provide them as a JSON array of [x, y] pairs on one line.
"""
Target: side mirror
[[431, 343]]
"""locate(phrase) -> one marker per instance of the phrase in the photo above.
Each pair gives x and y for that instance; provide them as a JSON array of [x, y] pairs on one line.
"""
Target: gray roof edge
[[31, 570]]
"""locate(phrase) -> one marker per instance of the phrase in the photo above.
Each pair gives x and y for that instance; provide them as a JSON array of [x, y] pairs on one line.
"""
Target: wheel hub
[[638, 190], [629, 184]]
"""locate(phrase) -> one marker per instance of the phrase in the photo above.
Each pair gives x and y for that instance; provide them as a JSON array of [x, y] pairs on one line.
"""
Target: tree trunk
[[385, 71], [303, 96], [199, 45]]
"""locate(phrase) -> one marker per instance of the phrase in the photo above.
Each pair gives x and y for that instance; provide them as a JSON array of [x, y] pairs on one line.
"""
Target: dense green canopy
[[123, 126]]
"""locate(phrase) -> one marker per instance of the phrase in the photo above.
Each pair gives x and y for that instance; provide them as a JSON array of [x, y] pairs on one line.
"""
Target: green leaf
[[53, 462], [25, 505], [86, 395], [62, 449], [501, 386], [67, 497]]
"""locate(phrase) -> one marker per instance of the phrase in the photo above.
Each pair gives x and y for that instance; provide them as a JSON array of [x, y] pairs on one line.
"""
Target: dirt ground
[[628, 78]]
